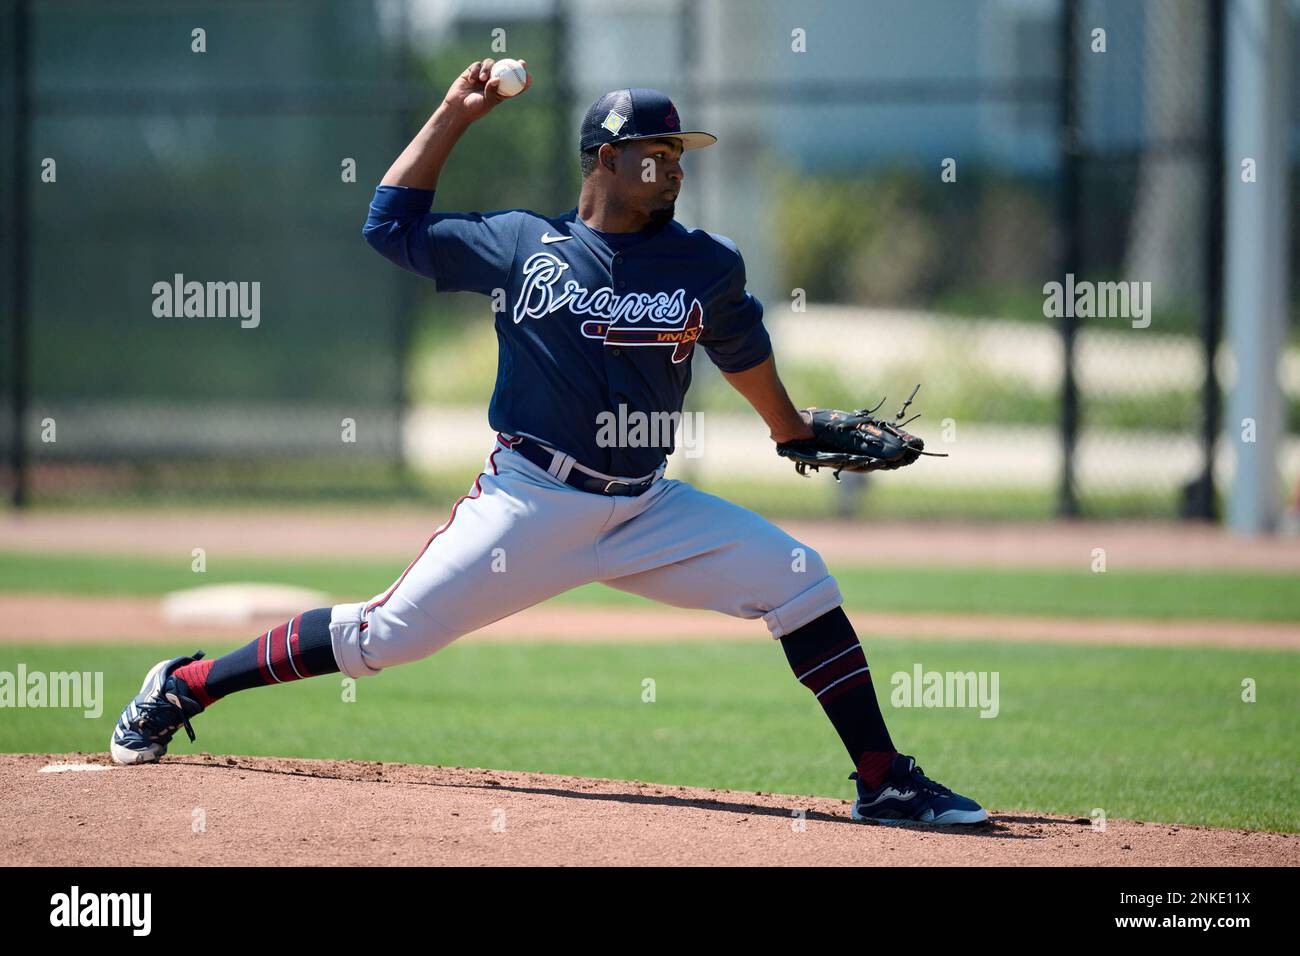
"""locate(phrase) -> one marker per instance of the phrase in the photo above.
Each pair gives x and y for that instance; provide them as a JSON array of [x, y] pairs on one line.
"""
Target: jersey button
[[618, 260], [616, 351], [622, 284]]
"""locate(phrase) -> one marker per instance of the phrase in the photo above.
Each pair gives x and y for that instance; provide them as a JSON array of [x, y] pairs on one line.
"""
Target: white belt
[[562, 465]]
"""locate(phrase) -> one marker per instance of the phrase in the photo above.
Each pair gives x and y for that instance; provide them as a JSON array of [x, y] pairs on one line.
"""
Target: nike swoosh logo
[[547, 238]]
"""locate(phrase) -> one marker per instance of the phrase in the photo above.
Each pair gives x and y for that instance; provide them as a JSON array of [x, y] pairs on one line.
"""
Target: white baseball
[[512, 75]]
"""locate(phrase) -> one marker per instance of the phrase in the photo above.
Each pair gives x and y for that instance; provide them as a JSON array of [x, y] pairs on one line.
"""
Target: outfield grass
[[1254, 596], [1151, 734]]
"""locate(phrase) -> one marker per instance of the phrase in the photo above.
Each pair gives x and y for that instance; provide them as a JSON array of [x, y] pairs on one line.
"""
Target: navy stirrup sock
[[296, 649], [828, 659]]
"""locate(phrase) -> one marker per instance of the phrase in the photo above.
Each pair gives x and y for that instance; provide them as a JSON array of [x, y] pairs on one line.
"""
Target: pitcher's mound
[[203, 810]]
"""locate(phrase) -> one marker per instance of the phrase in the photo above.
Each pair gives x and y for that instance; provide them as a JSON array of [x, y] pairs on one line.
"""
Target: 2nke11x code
[[1151, 899]]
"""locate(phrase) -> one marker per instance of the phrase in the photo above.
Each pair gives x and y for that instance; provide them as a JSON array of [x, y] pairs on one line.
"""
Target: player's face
[[650, 176]]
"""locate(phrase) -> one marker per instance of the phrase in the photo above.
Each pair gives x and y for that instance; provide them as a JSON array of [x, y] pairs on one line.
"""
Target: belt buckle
[[631, 485]]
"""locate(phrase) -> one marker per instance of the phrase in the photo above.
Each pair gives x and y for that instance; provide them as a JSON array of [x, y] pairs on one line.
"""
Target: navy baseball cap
[[626, 115]]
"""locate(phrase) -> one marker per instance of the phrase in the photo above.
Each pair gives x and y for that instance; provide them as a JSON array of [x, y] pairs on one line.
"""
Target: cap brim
[[694, 139]]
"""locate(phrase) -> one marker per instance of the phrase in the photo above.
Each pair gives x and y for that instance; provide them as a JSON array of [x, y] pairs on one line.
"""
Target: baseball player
[[598, 311]]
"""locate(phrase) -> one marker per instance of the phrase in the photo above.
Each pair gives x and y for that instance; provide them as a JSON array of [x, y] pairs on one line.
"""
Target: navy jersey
[[583, 330]]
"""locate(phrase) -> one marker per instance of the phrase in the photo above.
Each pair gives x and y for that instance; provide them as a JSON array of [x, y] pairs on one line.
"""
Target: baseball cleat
[[909, 796], [162, 707]]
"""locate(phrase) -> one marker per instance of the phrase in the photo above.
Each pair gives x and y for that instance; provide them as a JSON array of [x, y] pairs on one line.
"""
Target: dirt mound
[[206, 810]]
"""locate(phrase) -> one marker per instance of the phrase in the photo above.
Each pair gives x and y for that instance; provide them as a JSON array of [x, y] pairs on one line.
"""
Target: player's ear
[[608, 156]]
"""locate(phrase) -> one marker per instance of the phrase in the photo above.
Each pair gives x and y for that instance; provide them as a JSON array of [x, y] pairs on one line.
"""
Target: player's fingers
[[472, 71], [485, 70], [492, 91]]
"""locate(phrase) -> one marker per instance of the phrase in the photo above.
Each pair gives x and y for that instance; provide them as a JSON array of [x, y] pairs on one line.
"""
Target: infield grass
[[1153, 734], [1254, 596]]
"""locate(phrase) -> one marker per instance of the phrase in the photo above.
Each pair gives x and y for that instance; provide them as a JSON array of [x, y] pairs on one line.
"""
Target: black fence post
[[1067, 505], [1203, 503], [688, 72], [20, 256], [566, 135]]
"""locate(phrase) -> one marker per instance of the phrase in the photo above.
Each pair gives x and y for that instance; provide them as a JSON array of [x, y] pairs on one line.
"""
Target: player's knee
[[807, 562], [806, 568], [367, 642], [346, 635], [811, 591]]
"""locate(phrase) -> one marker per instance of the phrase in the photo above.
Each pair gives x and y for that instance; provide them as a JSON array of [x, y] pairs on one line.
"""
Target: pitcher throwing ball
[[598, 312]]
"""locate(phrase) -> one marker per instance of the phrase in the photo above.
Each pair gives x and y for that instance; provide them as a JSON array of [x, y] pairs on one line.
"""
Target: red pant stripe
[[474, 492]]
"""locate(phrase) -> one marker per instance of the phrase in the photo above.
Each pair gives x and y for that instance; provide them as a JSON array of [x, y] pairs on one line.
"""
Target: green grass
[[1171, 595], [1151, 734], [1077, 592]]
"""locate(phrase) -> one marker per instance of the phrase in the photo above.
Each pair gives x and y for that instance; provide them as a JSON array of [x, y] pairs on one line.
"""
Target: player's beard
[[663, 215]]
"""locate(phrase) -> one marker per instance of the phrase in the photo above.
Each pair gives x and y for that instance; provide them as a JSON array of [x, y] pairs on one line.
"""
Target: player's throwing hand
[[474, 94], [476, 91]]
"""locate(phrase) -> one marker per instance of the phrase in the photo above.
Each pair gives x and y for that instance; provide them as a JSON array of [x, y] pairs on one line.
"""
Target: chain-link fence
[[1147, 221], [903, 179], [1018, 204], [190, 309]]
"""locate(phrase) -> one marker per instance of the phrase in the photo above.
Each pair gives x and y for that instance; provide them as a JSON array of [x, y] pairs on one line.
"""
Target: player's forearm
[[420, 164], [763, 389]]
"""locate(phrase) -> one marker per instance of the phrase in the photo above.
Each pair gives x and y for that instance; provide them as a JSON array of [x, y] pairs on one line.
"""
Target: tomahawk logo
[[680, 339], [75, 909]]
